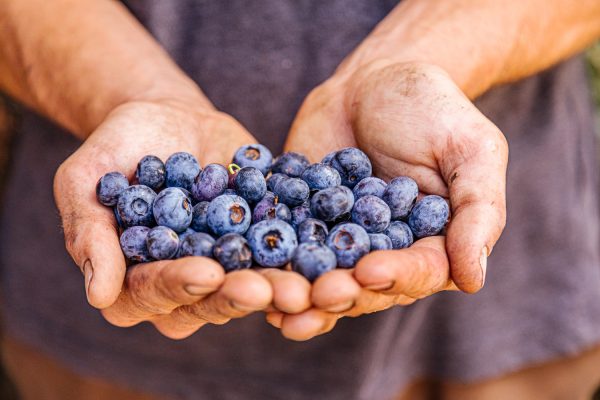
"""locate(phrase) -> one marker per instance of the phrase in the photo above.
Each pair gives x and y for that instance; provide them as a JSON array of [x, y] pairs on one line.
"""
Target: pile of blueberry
[[267, 212]]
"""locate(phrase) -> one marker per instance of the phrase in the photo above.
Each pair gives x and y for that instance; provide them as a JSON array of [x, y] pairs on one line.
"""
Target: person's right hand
[[177, 296]]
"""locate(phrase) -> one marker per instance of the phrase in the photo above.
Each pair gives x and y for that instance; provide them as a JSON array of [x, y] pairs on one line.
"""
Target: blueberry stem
[[233, 168]]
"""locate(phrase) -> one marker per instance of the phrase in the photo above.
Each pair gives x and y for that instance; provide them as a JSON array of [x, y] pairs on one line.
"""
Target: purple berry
[[110, 187]]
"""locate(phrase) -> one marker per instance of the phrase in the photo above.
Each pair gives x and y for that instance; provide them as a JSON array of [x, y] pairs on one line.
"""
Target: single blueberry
[[110, 187], [321, 176], [380, 241], [197, 244], [274, 179], [232, 252], [172, 208], [312, 260], [370, 185], [352, 164], [327, 159], [292, 164], [135, 206], [254, 155], [228, 214], [250, 184], [400, 234], [429, 216], [332, 203], [300, 213], [273, 242], [210, 183], [269, 207], [371, 213], [162, 243], [350, 242], [184, 234], [199, 217], [120, 222], [292, 191], [133, 244], [181, 169], [151, 172], [312, 230], [401, 195]]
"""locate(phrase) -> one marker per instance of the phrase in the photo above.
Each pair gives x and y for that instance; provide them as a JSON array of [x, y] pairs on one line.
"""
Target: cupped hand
[[411, 119], [177, 296]]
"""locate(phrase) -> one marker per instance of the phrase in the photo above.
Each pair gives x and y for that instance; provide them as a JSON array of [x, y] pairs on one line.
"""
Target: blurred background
[[8, 123]]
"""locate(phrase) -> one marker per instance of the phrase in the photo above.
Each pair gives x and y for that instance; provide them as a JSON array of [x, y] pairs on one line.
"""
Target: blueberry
[[230, 192], [292, 191], [292, 164], [210, 183], [352, 164], [233, 170], [172, 208], [274, 179], [273, 242], [250, 184], [327, 159], [254, 155], [349, 242], [380, 241], [370, 185], [321, 176], [185, 234], [312, 230], [199, 217], [188, 194], [371, 213], [228, 214], [300, 213], [181, 170], [135, 206], [429, 216], [109, 187], [133, 244], [197, 244], [332, 203], [312, 260], [120, 222], [400, 235], [269, 207], [162, 243], [401, 195], [232, 252], [151, 172]]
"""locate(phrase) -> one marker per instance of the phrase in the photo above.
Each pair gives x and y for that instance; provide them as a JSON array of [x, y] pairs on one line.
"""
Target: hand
[[178, 296], [411, 119]]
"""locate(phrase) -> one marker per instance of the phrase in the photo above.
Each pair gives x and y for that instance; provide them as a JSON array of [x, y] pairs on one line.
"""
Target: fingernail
[[197, 290], [483, 263], [338, 308], [241, 307], [380, 286], [88, 273]]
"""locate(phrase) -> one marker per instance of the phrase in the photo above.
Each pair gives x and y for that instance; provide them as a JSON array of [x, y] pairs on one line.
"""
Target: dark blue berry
[[380, 241], [254, 155], [400, 195], [352, 164], [400, 234], [312, 230], [274, 179], [327, 159], [133, 244], [151, 172], [210, 183], [232, 252], [120, 222], [332, 203], [228, 214], [135, 206], [429, 216], [321, 176], [250, 184], [312, 260], [162, 243], [272, 242], [269, 207], [292, 191], [181, 169], [370, 185], [109, 187], [172, 208], [292, 164], [371, 213], [197, 244], [300, 213], [184, 234], [199, 217], [350, 242]]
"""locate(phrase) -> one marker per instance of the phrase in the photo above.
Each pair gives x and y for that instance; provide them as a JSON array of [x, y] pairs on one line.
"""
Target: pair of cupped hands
[[411, 119]]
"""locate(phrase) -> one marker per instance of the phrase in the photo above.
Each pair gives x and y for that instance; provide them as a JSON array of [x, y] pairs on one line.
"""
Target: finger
[[176, 330], [475, 170], [90, 233], [308, 324], [291, 291], [160, 287], [417, 271], [275, 319], [335, 291]]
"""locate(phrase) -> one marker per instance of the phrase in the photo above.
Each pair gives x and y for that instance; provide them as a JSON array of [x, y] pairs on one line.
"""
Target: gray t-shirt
[[257, 60]]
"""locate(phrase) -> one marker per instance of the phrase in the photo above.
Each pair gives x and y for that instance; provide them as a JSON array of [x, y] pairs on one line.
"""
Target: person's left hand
[[411, 119]]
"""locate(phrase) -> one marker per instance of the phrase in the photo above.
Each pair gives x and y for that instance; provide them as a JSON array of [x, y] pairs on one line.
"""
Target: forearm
[[481, 43], [76, 60]]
